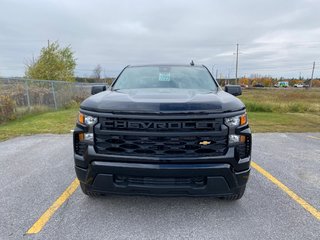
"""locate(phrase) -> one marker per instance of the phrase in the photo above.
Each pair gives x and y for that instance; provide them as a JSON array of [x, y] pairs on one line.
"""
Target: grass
[[283, 122], [50, 122], [276, 110], [283, 110], [282, 100]]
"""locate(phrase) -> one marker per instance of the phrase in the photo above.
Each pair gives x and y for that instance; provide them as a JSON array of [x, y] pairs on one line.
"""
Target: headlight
[[85, 136], [88, 137], [236, 121], [90, 121], [234, 139], [87, 120]]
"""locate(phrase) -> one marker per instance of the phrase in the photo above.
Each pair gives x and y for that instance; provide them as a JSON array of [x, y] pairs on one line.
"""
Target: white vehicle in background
[[299, 85], [283, 84]]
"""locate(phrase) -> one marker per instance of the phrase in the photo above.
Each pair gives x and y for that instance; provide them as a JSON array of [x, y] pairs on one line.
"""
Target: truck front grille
[[166, 138], [160, 145], [160, 181]]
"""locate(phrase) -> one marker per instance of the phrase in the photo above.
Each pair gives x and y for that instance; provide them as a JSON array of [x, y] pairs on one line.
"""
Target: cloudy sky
[[276, 37]]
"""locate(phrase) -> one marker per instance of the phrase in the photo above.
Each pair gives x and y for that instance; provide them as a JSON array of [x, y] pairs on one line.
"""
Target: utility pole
[[314, 64], [237, 59], [217, 74]]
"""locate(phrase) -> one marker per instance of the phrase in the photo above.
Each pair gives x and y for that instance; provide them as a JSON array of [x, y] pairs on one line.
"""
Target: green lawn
[[64, 120], [50, 122], [284, 122], [289, 100]]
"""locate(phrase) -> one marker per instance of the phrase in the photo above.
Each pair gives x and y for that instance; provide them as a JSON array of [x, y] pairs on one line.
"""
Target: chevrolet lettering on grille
[[123, 124]]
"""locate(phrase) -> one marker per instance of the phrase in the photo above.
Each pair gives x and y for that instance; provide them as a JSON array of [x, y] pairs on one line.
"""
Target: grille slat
[[185, 182]]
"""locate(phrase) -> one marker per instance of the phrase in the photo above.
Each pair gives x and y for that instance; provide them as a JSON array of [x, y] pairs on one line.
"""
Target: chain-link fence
[[20, 96]]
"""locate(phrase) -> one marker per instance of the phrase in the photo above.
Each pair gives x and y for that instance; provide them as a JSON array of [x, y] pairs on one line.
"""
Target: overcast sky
[[276, 37]]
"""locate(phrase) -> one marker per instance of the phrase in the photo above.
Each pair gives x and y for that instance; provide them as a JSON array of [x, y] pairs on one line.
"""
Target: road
[[36, 170]]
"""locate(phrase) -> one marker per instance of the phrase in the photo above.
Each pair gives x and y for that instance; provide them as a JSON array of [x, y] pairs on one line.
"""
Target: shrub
[[257, 107], [7, 108]]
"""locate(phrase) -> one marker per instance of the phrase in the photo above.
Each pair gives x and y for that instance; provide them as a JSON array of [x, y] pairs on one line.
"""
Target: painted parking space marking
[[45, 217], [287, 190]]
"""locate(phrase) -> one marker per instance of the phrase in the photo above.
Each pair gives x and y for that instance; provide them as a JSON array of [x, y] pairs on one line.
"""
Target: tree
[[97, 72], [244, 81], [316, 83], [54, 63], [292, 82]]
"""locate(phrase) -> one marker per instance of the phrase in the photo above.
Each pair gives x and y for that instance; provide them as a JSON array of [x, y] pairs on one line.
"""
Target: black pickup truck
[[163, 130]]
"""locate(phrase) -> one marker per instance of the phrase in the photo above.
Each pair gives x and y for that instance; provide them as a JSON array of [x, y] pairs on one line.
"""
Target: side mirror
[[98, 88], [235, 90]]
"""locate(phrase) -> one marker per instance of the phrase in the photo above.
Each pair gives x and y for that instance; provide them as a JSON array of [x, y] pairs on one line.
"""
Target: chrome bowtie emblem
[[205, 143]]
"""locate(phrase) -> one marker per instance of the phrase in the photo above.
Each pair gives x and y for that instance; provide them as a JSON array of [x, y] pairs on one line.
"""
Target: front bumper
[[208, 178], [162, 179]]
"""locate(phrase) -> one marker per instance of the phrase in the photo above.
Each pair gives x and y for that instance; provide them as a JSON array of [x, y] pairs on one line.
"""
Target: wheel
[[87, 192], [235, 196]]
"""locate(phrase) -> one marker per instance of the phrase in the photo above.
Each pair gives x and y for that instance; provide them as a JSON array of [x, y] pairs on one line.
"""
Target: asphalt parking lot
[[36, 170]]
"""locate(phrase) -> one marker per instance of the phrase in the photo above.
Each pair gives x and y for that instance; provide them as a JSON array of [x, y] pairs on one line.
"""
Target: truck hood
[[167, 100]]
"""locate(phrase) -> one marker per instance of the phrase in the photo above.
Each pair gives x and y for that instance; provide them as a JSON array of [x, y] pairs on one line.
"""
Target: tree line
[[270, 82]]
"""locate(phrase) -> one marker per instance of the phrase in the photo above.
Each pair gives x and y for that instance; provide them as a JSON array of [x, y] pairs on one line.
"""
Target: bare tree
[[97, 72]]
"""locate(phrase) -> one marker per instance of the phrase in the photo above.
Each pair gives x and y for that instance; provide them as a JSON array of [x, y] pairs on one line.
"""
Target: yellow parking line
[[41, 222], [288, 191], [313, 137], [45, 217]]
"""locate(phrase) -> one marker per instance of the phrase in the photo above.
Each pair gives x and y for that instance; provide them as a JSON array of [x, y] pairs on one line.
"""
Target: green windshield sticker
[[164, 76]]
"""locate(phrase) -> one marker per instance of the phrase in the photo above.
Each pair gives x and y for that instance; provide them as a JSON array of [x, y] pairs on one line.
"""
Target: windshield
[[182, 77]]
